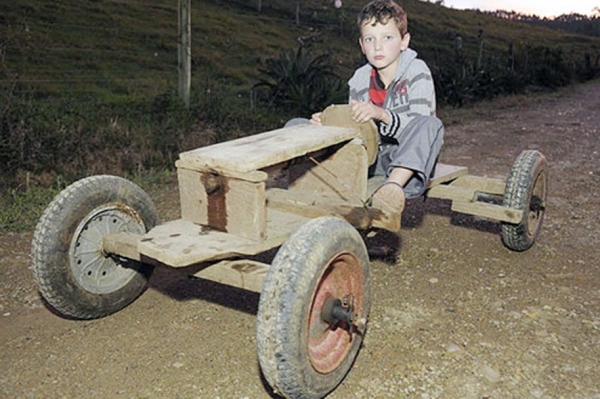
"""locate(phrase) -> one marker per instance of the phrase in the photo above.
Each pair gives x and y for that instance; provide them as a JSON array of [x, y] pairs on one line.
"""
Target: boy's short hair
[[381, 11]]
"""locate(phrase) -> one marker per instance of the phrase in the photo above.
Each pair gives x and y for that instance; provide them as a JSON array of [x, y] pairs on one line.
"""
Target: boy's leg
[[411, 162], [400, 176]]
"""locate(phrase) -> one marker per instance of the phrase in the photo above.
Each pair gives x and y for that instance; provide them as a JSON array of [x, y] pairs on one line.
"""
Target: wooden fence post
[[184, 53]]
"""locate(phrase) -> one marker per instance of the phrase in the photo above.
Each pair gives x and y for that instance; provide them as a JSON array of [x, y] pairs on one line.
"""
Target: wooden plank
[[343, 174], [341, 115], [280, 224], [181, 243], [261, 150], [487, 210], [223, 203], [481, 184], [449, 191], [255, 176], [242, 273], [192, 196], [123, 244], [444, 173], [313, 205], [246, 209]]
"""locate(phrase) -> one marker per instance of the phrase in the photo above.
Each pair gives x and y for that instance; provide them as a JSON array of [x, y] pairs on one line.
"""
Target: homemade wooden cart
[[303, 189]]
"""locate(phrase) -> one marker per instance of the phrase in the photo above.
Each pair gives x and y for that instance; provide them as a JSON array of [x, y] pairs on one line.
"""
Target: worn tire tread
[[283, 304], [50, 262], [517, 195]]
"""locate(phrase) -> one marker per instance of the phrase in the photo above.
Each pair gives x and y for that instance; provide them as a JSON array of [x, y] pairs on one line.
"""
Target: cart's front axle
[[334, 311]]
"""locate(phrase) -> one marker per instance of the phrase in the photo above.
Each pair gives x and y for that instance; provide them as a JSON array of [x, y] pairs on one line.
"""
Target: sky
[[541, 8]]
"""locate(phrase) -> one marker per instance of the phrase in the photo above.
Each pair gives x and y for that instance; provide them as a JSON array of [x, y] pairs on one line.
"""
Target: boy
[[395, 89]]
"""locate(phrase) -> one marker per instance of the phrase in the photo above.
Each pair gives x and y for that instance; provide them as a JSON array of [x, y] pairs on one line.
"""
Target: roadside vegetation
[[90, 88]]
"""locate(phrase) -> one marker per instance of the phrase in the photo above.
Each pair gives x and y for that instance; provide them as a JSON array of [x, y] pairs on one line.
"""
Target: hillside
[[91, 87], [574, 23], [126, 47]]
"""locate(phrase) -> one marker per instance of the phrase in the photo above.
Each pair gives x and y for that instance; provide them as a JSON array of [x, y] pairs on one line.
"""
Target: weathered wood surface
[[444, 173], [341, 115], [224, 203], [241, 273], [343, 174], [313, 205], [221, 190], [124, 244], [490, 211], [258, 151], [255, 176], [180, 243], [481, 184], [462, 189]]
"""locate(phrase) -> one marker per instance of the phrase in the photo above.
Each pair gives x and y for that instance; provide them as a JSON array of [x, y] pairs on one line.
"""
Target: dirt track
[[454, 314]]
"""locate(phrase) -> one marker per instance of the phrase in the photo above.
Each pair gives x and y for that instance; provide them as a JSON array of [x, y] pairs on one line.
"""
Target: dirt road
[[454, 313]]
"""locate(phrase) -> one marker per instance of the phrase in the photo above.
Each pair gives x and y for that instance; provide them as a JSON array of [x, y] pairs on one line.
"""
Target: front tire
[[323, 265], [73, 273]]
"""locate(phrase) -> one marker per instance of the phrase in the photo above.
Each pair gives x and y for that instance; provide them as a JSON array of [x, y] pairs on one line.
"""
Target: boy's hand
[[316, 119], [365, 111]]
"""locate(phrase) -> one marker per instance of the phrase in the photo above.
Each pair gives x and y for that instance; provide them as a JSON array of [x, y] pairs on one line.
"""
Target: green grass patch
[[91, 87]]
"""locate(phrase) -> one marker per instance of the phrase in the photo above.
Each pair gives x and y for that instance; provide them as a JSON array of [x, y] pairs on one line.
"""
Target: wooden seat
[[259, 151]]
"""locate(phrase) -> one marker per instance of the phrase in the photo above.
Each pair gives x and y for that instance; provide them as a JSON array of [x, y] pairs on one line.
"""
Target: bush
[[464, 81], [78, 136], [300, 84]]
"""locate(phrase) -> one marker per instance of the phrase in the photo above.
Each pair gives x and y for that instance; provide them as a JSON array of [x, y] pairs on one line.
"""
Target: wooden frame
[[246, 196]]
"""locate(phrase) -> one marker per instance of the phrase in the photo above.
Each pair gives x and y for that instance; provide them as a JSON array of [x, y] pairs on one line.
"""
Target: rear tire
[[526, 190], [301, 355], [73, 273]]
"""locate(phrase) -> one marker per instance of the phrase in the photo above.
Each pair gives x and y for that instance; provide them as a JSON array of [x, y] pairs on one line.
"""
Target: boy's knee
[[430, 121], [430, 124]]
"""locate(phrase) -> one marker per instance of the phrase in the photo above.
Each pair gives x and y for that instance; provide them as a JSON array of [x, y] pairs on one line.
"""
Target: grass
[[21, 207], [96, 81], [129, 47]]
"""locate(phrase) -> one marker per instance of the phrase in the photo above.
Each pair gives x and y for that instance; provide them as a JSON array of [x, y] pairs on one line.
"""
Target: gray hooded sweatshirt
[[412, 93]]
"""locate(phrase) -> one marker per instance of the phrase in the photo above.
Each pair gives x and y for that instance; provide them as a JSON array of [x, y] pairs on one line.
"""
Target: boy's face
[[382, 44]]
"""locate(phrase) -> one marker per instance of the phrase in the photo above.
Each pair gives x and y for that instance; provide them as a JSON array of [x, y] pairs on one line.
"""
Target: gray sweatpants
[[418, 149]]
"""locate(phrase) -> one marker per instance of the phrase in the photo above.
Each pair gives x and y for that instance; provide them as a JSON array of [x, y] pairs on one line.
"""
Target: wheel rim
[[329, 345], [93, 269], [537, 204]]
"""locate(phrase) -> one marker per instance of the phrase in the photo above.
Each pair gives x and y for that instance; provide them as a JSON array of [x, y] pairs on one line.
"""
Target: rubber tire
[[56, 239], [286, 302], [526, 190]]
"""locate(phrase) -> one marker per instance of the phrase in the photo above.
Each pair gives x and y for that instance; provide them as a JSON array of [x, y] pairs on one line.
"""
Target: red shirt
[[377, 91]]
